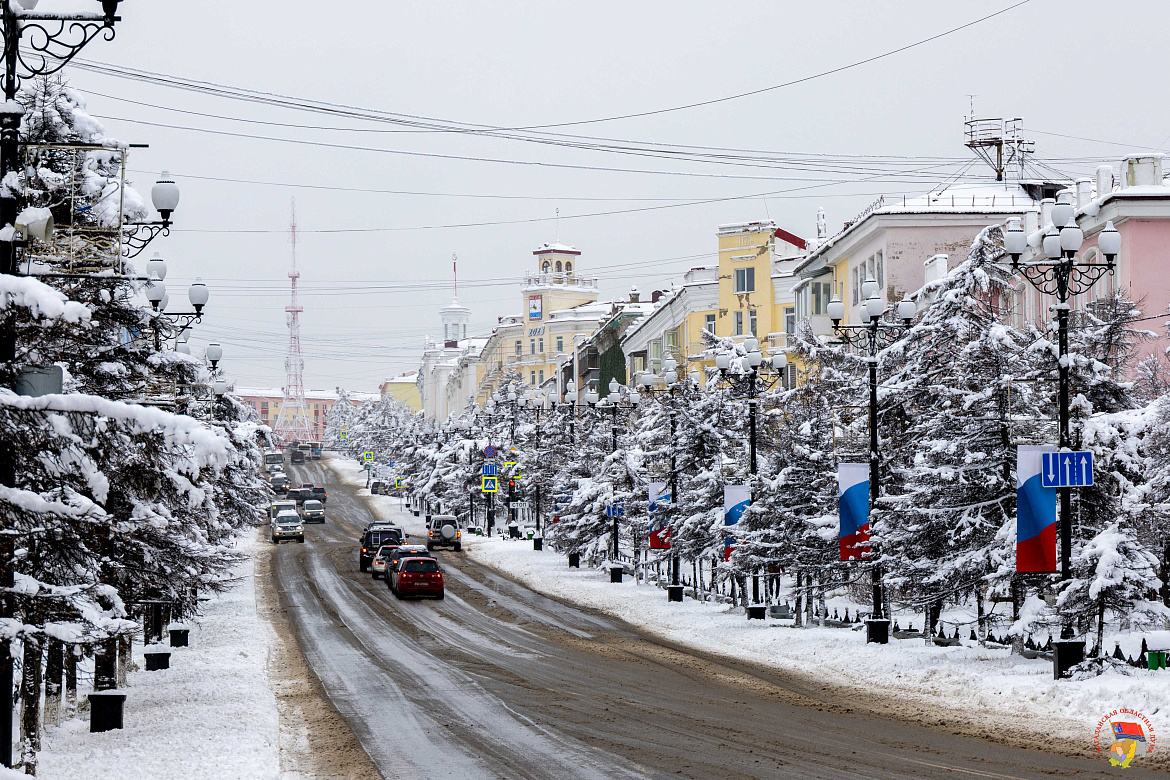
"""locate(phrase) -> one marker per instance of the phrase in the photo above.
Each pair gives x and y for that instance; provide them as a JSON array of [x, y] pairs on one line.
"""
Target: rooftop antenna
[[558, 226], [455, 271], [971, 97]]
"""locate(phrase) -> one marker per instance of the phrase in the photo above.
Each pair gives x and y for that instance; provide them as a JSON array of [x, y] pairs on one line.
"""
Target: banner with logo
[[736, 498], [853, 509], [1035, 512], [660, 533]]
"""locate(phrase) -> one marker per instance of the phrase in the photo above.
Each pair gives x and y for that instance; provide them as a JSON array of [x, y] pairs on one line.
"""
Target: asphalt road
[[497, 681]]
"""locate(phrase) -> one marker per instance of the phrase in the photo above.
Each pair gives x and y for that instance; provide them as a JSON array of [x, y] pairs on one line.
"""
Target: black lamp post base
[[877, 631], [1065, 655], [674, 593], [574, 560]]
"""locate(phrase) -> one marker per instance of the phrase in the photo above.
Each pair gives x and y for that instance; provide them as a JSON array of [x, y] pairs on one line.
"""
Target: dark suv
[[376, 536], [319, 494], [300, 495]]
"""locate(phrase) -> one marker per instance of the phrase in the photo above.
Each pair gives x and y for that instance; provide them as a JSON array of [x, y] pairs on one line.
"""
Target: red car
[[418, 577]]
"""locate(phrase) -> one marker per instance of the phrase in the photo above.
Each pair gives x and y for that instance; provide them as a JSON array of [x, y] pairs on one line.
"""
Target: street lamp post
[[871, 336], [1060, 274], [671, 381], [58, 38], [754, 360], [615, 401]]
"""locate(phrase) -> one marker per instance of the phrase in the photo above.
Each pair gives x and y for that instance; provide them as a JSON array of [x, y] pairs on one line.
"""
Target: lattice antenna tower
[[294, 422]]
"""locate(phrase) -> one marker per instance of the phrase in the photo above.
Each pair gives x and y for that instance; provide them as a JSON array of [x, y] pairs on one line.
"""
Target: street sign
[[400, 482], [489, 451], [367, 456], [489, 485], [1066, 469], [513, 463], [490, 469], [616, 509]]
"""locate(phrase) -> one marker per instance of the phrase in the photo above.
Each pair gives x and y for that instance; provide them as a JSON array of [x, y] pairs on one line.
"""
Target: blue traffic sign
[[489, 451], [616, 509], [1066, 469], [489, 485], [490, 469]]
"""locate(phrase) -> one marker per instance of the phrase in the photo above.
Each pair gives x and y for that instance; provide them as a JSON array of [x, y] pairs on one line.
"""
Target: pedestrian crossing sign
[[489, 485], [399, 482], [367, 456]]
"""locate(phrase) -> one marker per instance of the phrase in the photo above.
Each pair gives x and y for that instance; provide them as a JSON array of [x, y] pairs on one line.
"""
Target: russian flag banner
[[853, 507], [1035, 513]]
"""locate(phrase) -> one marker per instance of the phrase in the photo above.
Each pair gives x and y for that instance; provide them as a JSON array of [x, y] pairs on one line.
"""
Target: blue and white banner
[[853, 509], [659, 533], [736, 498]]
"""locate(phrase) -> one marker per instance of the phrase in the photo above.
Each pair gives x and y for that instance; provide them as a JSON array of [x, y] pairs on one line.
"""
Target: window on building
[[752, 322], [816, 298], [739, 323], [264, 404], [533, 382], [790, 375], [519, 347], [856, 279], [790, 320], [540, 346], [546, 267], [568, 268], [446, 333], [540, 376], [745, 280], [879, 270], [655, 354], [560, 343], [670, 342], [558, 266], [531, 346], [709, 324]]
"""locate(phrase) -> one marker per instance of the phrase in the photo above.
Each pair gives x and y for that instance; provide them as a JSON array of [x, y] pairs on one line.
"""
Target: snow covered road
[[500, 681]]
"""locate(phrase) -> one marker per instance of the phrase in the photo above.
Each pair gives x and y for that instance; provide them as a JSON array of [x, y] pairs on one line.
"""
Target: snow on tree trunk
[[30, 704], [54, 666]]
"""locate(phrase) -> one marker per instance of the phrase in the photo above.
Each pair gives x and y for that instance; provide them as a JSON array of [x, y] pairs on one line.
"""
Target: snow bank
[[985, 687], [210, 716]]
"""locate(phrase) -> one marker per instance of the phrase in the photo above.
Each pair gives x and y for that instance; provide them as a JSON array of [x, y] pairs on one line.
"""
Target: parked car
[[443, 531], [319, 493], [287, 526], [279, 506], [400, 552], [418, 577], [376, 536], [313, 511], [376, 487], [300, 495]]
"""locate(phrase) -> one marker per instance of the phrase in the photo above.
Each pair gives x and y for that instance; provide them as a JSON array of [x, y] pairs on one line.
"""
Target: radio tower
[[294, 423]]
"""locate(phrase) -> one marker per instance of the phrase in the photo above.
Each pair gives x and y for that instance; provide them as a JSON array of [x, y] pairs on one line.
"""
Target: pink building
[[267, 401]]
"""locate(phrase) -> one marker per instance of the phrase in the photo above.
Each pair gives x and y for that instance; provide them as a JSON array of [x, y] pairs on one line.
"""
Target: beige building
[[403, 389]]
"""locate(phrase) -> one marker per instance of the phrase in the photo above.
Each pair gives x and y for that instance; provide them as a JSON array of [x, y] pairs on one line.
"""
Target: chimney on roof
[[1104, 180], [1084, 192], [822, 226], [634, 294], [1143, 170], [655, 296]]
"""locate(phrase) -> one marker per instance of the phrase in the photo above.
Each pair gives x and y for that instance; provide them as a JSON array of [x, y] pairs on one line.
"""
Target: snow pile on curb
[[211, 715]]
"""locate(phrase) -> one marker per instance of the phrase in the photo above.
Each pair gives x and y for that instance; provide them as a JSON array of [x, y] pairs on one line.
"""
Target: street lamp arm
[[53, 40], [1062, 278], [136, 236], [870, 338]]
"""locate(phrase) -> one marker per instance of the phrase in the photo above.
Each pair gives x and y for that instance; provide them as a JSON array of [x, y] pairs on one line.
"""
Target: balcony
[[562, 280]]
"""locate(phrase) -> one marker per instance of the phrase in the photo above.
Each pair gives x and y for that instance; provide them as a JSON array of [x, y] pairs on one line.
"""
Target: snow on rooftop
[[557, 247]]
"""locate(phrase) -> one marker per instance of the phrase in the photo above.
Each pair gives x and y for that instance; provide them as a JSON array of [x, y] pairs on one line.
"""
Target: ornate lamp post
[[1060, 274], [619, 398], [753, 360], [869, 337]]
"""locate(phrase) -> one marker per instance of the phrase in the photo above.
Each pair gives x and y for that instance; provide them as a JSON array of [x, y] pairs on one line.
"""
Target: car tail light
[[363, 549]]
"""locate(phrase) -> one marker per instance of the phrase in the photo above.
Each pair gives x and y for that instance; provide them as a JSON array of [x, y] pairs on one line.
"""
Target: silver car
[[286, 527], [313, 511]]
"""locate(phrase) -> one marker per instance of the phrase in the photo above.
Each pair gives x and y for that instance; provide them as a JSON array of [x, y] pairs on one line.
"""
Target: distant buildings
[[267, 400]]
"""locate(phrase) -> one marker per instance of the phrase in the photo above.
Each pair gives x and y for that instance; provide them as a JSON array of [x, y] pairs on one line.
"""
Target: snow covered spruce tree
[[954, 371]]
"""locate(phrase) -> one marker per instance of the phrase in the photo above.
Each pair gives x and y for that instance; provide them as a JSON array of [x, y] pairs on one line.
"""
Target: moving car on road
[[300, 495], [319, 493], [376, 487], [377, 535], [400, 552], [297, 456], [379, 565], [313, 511], [443, 531], [286, 527], [279, 506], [278, 481], [273, 461], [418, 577]]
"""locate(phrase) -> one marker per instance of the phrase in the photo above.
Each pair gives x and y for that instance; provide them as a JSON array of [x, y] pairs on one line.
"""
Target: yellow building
[[403, 389], [748, 293], [559, 304]]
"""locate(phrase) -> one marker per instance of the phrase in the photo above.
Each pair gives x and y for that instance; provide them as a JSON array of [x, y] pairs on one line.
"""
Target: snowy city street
[[584, 390]]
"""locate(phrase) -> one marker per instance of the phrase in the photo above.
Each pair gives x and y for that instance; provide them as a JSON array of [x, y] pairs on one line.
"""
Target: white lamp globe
[[874, 306], [836, 309], [869, 288]]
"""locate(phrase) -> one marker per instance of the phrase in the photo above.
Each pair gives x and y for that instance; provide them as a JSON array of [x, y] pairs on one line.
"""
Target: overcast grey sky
[[1089, 69]]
